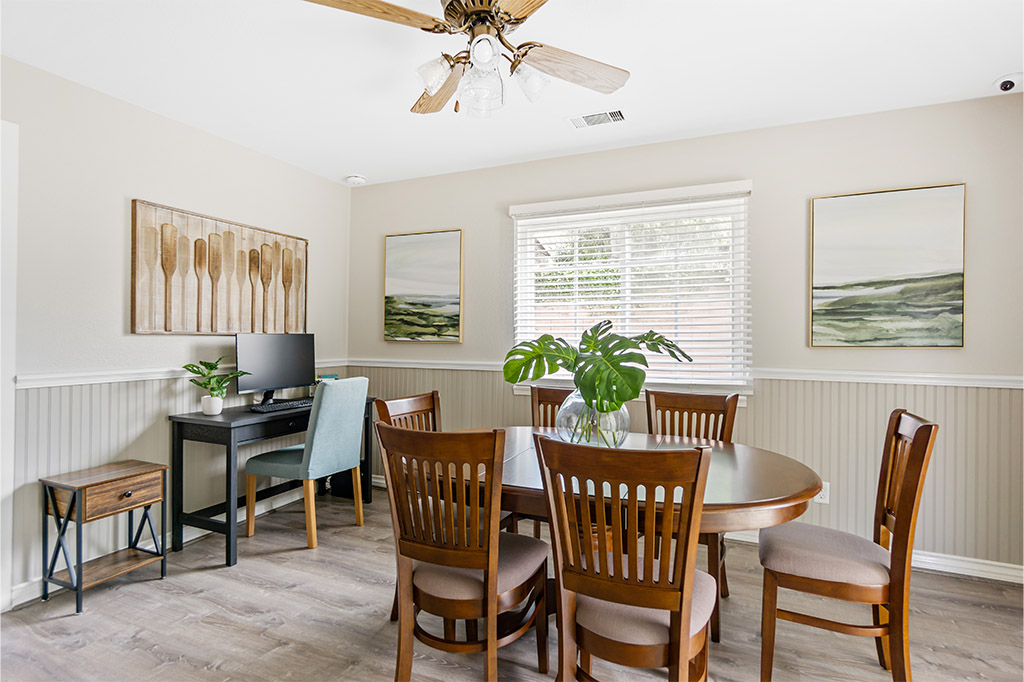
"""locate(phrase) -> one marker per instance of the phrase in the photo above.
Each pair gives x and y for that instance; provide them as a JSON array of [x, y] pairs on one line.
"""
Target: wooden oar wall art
[[193, 274]]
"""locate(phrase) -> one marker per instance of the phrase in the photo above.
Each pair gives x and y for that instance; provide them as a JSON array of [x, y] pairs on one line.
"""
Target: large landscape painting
[[887, 268], [423, 286]]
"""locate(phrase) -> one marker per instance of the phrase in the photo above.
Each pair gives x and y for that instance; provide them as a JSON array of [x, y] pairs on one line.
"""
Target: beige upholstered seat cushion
[[639, 625], [809, 551], [519, 557]]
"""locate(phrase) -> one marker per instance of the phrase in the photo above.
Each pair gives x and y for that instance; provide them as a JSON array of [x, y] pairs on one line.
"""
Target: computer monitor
[[274, 361]]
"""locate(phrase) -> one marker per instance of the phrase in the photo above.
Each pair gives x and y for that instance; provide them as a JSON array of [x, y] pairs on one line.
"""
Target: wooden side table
[[96, 493]]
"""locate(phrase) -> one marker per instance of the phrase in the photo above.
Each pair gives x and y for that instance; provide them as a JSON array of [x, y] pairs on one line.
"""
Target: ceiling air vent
[[590, 120]]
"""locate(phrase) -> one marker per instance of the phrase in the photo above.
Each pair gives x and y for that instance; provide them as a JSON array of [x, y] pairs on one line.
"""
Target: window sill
[[524, 389]]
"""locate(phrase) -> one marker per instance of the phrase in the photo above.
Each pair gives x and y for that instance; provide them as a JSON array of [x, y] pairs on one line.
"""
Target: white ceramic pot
[[212, 405]]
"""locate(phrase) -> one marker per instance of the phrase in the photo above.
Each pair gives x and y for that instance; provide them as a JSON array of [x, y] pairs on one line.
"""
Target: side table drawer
[[110, 498]]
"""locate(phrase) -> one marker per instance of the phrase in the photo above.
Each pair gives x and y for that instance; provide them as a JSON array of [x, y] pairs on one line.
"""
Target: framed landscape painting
[[887, 268], [423, 286]]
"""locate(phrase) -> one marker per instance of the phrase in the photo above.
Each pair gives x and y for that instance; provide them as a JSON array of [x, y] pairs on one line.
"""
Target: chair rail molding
[[24, 381]]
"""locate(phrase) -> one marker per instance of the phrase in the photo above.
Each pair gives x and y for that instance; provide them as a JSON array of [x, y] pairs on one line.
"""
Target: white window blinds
[[674, 261]]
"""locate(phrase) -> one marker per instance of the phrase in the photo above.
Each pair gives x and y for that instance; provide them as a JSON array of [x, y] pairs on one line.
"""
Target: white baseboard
[[933, 561], [32, 590]]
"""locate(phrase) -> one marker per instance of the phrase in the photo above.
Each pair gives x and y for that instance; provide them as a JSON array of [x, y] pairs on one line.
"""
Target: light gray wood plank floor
[[289, 613]]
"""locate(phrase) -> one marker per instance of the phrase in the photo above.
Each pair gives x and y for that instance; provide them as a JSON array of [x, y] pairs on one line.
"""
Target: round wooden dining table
[[747, 488]]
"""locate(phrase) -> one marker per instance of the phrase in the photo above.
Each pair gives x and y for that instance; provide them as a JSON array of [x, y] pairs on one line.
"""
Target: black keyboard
[[283, 405]]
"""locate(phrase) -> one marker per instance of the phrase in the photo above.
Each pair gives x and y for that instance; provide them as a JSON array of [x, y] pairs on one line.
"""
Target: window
[[674, 261]]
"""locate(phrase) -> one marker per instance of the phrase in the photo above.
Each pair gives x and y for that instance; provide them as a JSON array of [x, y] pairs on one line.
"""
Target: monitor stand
[[268, 397]]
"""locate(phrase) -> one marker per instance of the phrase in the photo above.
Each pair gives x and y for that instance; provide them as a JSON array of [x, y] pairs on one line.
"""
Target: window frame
[[739, 381]]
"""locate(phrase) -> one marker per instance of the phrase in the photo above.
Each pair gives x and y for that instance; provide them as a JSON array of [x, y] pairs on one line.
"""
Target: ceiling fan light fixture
[[481, 92], [434, 73], [531, 81], [484, 50]]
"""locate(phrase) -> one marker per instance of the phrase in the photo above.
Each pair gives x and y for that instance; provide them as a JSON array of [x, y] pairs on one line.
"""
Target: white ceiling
[[330, 91]]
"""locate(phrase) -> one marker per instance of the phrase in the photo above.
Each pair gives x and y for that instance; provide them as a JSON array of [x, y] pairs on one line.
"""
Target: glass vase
[[577, 422]]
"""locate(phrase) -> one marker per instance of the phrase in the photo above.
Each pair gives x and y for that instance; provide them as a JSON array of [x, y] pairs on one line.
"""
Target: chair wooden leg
[[449, 629], [723, 585], [357, 494], [406, 625], [880, 616], [715, 569], [491, 666], [250, 505], [309, 493], [678, 651], [769, 604], [472, 633], [394, 606], [586, 662], [899, 639], [536, 529], [540, 621]]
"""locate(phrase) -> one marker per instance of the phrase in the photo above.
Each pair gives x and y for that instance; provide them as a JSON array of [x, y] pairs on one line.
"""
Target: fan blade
[[520, 10], [378, 9], [576, 69], [431, 104]]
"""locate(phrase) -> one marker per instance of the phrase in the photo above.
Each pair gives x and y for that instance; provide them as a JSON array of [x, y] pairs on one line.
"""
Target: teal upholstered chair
[[332, 445]]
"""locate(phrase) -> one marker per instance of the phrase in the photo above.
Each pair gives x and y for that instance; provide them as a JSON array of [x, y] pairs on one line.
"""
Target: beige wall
[[84, 157], [978, 142]]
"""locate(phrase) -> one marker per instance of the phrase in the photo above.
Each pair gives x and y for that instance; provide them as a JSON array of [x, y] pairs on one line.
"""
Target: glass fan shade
[[434, 73], [481, 92], [531, 81], [483, 50]]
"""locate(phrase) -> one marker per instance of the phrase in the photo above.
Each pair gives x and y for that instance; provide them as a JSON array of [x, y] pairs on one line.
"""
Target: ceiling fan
[[473, 72]]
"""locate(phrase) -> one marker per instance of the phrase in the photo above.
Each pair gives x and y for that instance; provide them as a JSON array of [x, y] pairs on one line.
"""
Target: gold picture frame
[[887, 268], [194, 274], [423, 294]]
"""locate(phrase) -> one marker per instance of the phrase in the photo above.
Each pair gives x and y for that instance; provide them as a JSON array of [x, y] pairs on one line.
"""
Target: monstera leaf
[[606, 369], [659, 343], [533, 359]]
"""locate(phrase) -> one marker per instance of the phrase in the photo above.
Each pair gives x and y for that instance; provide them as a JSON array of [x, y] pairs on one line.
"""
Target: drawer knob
[[291, 424], [127, 494]]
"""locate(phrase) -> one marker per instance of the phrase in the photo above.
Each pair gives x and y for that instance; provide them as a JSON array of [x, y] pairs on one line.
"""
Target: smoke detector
[[355, 180], [600, 118]]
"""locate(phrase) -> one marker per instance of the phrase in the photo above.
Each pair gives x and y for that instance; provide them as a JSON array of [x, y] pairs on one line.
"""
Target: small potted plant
[[216, 385], [608, 371]]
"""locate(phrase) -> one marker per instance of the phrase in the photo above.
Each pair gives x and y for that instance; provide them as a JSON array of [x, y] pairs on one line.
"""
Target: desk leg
[[366, 471], [231, 502], [46, 543], [177, 485], [79, 576]]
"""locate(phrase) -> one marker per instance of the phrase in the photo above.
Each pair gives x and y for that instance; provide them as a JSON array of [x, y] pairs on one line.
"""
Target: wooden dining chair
[[445, 493], [698, 416], [832, 563], [420, 413], [627, 594], [544, 406], [332, 445]]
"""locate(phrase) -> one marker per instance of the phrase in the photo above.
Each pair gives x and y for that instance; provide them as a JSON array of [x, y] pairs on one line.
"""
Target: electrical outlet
[[822, 497]]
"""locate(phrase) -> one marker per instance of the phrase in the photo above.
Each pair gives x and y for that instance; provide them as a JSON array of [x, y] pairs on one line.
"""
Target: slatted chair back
[[546, 402], [418, 412], [599, 508], [905, 456], [692, 414], [444, 490]]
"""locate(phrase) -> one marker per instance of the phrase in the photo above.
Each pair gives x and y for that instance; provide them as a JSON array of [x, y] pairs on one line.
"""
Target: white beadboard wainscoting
[[971, 514]]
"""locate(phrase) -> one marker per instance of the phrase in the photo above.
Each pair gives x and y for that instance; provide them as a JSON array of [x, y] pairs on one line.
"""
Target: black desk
[[231, 428]]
